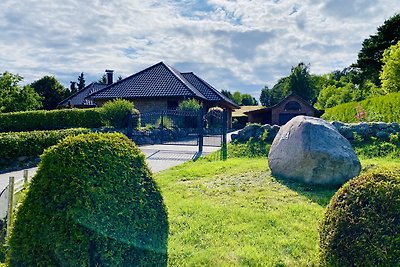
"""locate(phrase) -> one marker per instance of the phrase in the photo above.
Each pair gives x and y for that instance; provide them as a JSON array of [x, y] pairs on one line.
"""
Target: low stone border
[[365, 130]]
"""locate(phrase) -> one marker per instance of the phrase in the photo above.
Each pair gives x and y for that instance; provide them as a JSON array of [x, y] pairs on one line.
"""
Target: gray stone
[[383, 136], [311, 150]]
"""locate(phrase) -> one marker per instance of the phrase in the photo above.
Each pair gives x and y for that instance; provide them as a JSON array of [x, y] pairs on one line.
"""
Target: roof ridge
[[130, 76], [223, 97], [185, 82]]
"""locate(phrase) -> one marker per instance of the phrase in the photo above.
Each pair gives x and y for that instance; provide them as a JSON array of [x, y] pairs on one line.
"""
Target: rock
[[251, 130], [383, 136], [311, 150], [347, 132]]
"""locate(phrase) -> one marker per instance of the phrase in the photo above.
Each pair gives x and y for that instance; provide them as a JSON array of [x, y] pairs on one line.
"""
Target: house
[[79, 99], [279, 114], [161, 87]]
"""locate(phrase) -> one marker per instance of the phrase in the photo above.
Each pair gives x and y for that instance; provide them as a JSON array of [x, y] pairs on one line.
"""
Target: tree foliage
[[16, 98], [51, 91], [390, 74], [370, 55], [240, 99], [301, 83], [81, 81]]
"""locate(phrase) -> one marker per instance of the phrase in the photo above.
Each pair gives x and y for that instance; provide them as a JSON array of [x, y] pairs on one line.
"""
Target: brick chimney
[[109, 76]]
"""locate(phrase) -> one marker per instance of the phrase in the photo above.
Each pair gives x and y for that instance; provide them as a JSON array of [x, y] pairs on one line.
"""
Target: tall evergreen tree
[[81, 81]]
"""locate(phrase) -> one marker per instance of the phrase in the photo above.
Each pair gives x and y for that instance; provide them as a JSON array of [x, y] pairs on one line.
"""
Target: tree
[[237, 98], [248, 100], [390, 74], [16, 98], [51, 91], [301, 83], [81, 81], [369, 58], [103, 79], [227, 94], [72, 88], [270, 97]]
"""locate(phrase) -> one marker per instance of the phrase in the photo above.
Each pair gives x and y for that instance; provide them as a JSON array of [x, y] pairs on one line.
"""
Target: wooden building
[[279, 114]]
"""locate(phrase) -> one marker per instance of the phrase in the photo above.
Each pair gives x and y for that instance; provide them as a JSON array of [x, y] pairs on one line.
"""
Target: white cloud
[[234, 45]]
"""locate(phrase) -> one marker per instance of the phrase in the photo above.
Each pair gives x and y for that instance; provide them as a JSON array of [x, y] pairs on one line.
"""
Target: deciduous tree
[[16, 98], [390, 75], [51, 91]]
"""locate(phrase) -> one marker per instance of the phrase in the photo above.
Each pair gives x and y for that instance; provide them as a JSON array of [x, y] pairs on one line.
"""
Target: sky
[[235, 45]]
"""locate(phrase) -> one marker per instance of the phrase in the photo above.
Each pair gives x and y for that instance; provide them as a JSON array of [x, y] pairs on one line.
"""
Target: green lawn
[[234, 213]]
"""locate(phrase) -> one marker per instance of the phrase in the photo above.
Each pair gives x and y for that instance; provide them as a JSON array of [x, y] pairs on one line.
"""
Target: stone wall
[[350, 131]]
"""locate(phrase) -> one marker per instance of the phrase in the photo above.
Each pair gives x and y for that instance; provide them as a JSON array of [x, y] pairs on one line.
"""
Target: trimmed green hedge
[[381, 108], [92, 202], [361, 226], [31, 144], [61, 119]]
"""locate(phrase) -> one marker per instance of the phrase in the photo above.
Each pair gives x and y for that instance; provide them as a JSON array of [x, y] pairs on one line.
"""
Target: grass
[[234, 213]]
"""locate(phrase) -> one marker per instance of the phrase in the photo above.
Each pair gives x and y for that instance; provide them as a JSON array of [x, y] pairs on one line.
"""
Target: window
[[293, 105], [173, 105]]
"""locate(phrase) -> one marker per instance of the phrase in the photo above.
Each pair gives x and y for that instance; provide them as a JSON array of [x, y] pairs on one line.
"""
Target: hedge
[[92, 202], [31, 144], [60, 119], [381, 108]]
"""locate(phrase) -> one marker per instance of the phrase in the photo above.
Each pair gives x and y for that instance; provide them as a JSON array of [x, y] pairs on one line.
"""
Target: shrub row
[[112, 114], [381, 108], [31, 144]]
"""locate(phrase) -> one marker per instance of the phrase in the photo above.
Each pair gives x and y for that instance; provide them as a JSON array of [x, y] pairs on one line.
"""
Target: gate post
[[200, 130], [162, 126], [224, 132], [129, 127]]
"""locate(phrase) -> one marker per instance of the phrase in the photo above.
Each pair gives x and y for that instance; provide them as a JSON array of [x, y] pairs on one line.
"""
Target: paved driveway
[[158, 157]]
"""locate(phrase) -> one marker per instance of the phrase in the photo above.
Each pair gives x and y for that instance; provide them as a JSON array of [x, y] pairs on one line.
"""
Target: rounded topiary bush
[[92, 202], [361, 226]]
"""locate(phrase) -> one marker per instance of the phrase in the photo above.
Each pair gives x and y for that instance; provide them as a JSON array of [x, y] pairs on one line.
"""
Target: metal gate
[[175, 127]]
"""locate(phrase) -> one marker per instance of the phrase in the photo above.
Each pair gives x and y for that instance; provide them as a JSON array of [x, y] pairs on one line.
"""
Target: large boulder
[[311, 150]]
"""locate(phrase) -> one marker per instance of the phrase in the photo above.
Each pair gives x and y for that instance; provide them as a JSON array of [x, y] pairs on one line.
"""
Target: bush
[[214, 117], [92, 202], [115, 113], [31, 144], [362, 222], [190, 105]]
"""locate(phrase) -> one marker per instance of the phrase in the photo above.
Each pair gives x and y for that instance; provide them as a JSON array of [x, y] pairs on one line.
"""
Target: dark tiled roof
[[79, 98], [159, 80], [206, 89]]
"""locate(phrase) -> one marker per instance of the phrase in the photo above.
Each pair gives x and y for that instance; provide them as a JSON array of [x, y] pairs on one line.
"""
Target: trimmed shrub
[[115, 113], [361, 226], [31, 144], [92, 202], [50, 120]]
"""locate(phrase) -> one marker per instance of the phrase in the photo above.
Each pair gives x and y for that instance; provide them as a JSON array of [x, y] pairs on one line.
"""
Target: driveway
[[158, 157]]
